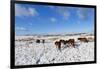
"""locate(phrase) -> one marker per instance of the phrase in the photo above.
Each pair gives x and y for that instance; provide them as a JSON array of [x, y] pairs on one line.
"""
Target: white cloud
[[63, 12], [66, 15], [82, 13], [23, 11], [53, 19], [20, 28]]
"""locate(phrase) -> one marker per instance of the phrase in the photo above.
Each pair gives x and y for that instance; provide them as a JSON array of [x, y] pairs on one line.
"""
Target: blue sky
[[43, 19]]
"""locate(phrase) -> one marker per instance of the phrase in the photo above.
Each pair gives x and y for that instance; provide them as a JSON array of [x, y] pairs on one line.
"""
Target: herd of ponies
[[58, 43]]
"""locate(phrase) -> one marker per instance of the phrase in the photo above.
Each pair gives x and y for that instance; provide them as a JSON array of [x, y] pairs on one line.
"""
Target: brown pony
[[43, 41], [83, 39], [90, 39], [63, 41], [71, 42], [37, 41], [58, 45]]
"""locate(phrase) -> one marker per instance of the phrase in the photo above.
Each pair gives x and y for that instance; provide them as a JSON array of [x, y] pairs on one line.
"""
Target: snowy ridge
[[33, 53]]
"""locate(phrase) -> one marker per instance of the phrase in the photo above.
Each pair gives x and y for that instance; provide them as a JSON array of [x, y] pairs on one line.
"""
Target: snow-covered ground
[[31, 53]]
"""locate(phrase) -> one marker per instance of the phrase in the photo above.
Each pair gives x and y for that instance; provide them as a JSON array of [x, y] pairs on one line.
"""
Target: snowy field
[[28, 52]]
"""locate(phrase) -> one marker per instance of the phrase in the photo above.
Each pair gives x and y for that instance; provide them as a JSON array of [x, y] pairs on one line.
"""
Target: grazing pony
[[43, 41], [83, 39], [71, 42], [63, 41], [58, 45], [37, 41], [90, 39]]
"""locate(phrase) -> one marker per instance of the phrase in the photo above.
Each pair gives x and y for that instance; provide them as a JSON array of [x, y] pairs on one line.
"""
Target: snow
[[27, 53]]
